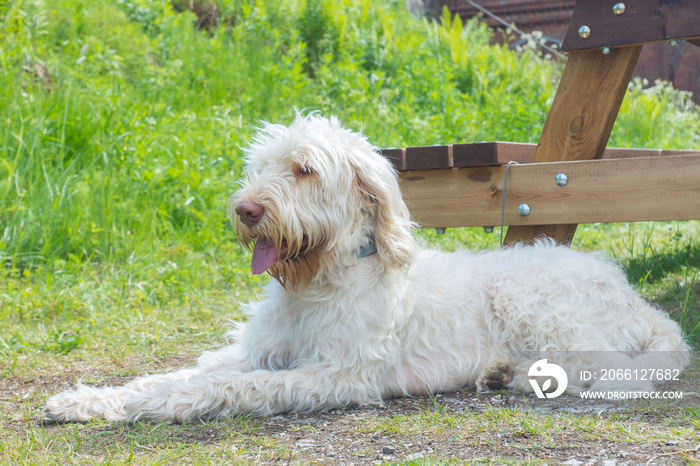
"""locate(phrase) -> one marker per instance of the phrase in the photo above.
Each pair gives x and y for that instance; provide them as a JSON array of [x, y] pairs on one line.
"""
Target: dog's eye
[[305, 170]]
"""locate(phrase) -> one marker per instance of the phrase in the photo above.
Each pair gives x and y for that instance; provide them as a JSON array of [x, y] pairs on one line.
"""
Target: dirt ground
[[500, 428]]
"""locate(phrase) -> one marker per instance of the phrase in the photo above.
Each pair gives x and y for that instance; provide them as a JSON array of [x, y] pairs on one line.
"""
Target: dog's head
[[316, 195]]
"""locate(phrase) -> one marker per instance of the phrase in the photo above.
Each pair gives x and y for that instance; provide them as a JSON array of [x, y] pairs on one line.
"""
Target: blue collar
[[368, 250]]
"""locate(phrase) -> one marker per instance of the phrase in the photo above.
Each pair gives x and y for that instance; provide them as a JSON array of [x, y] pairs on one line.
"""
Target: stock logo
[[541, 369]]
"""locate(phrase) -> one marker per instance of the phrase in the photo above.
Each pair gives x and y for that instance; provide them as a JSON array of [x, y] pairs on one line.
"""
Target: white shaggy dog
[[359, 313]]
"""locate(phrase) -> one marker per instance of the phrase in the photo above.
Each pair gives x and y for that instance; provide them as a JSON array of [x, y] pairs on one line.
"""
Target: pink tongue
[[264, 254]]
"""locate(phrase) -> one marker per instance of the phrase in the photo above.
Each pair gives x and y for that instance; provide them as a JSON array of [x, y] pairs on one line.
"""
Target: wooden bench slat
[[612, 190], [492, 153], [643, 21], [397, 157], [485, 154], [428, 157]]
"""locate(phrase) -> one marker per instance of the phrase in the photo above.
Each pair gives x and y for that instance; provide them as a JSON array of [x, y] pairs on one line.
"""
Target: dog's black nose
[[250, 212]]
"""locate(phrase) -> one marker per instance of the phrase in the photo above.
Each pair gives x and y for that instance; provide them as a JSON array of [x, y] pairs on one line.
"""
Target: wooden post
[[579, 123]]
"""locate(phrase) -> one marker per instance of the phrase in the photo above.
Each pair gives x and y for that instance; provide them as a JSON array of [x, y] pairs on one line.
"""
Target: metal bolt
[[619, 8], [488, 229], [673, 42], [440, 231], [524, 210], [605, 50], [584, 31], [561, 179]]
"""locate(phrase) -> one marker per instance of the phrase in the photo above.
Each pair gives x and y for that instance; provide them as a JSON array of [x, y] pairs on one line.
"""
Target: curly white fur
[[337, 328]]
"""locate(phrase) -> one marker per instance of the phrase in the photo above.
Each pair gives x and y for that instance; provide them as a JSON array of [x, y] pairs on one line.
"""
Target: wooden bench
[[463, 184]]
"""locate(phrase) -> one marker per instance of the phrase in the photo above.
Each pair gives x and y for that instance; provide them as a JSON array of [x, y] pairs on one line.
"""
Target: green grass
[[218, 442], [120, 128]]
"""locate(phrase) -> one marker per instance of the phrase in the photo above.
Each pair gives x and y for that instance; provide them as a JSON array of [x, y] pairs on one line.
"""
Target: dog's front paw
[[84, 404]]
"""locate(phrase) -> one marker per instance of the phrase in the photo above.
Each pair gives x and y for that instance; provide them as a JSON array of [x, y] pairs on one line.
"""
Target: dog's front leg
[[225, 391], [86, 402]]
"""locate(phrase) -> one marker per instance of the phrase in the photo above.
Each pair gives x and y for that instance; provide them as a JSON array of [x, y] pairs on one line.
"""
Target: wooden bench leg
[[580, 121]]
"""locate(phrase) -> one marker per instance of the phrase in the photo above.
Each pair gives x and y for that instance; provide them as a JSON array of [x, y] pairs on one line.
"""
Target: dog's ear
[[378, 183]]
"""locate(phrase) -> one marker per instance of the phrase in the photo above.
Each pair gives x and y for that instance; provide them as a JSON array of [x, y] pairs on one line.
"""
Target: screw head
[[440, 231], [584, 31], [619, 8], [561, 179], [673, 42], [524, 210], [488, 229], [605, 50]]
